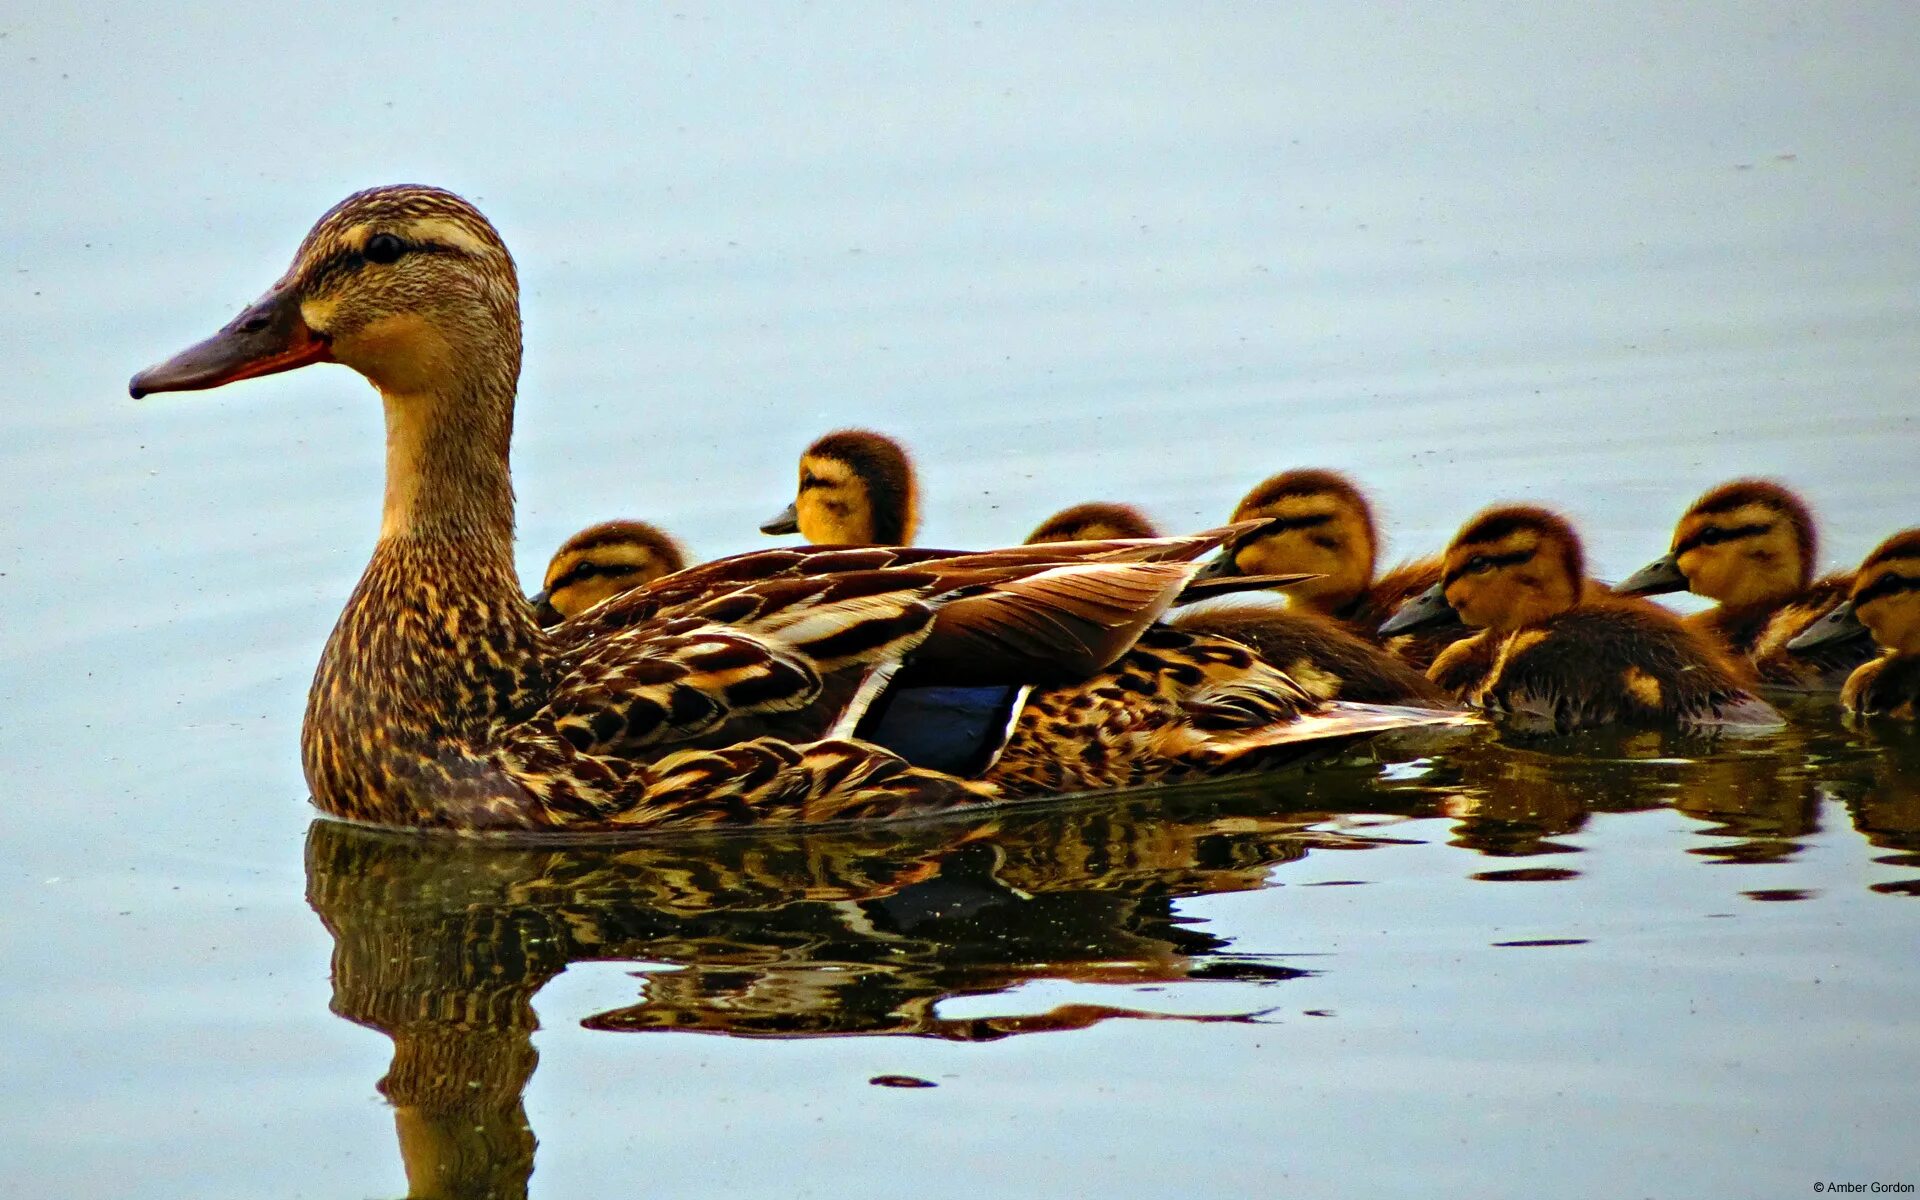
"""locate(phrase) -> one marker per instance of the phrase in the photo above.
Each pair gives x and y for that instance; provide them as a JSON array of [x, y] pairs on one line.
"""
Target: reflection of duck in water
[[441, 944]]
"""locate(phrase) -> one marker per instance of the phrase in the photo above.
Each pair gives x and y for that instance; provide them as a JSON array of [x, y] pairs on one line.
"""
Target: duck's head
[[857, 488], [1885, 600], [1747, 544], [1094, 522], [601, 561], [1319, 524], [408, 285], [1509, 567]]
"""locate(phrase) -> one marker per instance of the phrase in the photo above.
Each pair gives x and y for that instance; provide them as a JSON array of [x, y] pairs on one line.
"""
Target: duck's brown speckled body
[[725, 694]]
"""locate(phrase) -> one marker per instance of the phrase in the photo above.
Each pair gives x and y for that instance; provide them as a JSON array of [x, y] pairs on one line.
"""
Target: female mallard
[[603, 561], [1097, 521], [782, 686], [1751, 545], [1885, 603], [857, 488], [1320, 523], [1559, 654]]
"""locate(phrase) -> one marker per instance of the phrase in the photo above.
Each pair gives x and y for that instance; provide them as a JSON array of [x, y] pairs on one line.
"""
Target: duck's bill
[[1428, 610], [1655, 579], [1840, 625], [788, 521], [269, 337]]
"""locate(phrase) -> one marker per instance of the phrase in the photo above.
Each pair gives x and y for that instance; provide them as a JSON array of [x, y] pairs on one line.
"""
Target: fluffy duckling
[[601, 561], [857, 488], [1884, 602], [1094, 522], [1322, 524], [1561, 655], [1751, 545]]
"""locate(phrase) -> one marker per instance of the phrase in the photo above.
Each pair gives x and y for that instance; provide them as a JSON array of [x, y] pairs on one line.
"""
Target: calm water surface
[[1598, 260]]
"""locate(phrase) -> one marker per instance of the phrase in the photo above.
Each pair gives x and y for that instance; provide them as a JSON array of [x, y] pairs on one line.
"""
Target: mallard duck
[[1885, 603], [1558, 654], [857, 488], [602, 561], [1320, 523], [1752, 546], [789, 685], [1097, 521]]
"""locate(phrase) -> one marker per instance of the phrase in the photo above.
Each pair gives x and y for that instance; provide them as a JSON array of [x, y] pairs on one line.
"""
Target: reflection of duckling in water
[[857, 488], [1561, 655], [1884, 602], [601, 561], [1751, 545], [1097, 521]]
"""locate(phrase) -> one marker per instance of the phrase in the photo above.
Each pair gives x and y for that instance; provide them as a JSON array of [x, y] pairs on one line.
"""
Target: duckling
[[1561, 655], [601, 561], [1094, 522], [1321, 523], [1751, 544], [857, 488], [1884, 602]]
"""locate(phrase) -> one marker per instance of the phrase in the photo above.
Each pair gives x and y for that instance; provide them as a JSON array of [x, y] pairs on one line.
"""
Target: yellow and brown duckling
[[1885, 604], [1097, 521], [785, 686], [602, 561], [1752, 546], [857, 488], [1557, 654], [1319, 522]]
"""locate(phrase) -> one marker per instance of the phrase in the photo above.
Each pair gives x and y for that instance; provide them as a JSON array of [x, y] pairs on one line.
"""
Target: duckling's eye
[[1712, 536], [1479, 564], [384, 248]]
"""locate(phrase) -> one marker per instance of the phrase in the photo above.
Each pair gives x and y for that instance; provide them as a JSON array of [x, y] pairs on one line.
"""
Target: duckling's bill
[[787, 520], [1428, 610], [1840, 625], [268, 337], [1657, 578]]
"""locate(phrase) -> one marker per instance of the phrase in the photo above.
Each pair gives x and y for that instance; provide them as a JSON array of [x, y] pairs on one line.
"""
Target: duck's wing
[[773, 646]]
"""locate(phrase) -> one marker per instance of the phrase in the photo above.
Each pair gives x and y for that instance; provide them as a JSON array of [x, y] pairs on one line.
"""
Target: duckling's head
[[604, 560], [1886, 593], [857, 488], [1319, 524], [1513, 566], [1747, 544], [410, 286], [1094, 522]]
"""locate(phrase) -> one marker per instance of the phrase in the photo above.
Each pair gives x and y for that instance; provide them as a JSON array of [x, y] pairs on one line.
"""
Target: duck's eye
[[1479, 564], [384, 248]]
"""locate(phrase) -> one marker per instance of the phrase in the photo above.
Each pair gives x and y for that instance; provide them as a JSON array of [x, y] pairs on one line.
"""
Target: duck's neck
[[437, 645]]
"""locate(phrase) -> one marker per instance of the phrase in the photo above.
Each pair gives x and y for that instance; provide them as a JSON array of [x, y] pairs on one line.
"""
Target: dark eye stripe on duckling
[[1481, 562], [1713, 535], [580, 572], [1890, 584], [1288, 524]]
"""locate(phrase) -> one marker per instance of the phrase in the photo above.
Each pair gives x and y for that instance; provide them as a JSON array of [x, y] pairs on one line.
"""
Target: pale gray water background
[[1602, 259]]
